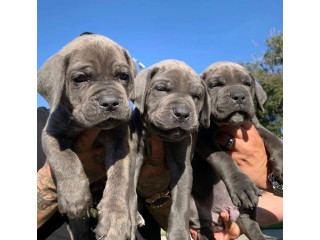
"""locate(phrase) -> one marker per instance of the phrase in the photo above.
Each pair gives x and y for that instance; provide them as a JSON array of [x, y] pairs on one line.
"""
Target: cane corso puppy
[[170, 102], [232, 91], [87, 84]]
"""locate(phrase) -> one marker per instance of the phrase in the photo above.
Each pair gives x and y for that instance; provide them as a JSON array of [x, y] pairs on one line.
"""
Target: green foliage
[[268, 72], [273, 57]]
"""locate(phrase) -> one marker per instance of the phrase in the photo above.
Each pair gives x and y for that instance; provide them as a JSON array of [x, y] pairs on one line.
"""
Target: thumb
[[226, 220], [194, 233]]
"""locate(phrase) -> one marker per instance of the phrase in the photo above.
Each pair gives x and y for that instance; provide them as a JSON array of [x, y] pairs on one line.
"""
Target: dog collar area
[[158, 199]]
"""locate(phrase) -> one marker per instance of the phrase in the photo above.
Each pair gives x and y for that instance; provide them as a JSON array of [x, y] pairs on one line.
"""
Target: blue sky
[[196, 32]]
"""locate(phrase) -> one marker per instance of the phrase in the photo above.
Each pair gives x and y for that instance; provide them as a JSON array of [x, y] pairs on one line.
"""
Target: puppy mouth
[[175, 134], [94, 117], [109, 123], [235, 118]]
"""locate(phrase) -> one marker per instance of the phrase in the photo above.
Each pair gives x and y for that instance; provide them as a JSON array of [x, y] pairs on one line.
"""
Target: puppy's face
[[97, 86], [98, 77], [232, 91], [174, 97]]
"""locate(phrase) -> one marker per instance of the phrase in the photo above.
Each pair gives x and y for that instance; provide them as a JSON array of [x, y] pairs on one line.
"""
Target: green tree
[[268, 72]]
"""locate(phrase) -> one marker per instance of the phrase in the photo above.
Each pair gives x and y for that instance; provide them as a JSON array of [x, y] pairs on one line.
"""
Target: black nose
[[181, 112], [109, 103], [238, 97]]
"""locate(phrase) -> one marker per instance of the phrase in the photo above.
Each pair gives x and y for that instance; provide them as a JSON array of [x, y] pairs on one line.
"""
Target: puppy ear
[[141, 84], [260, 94], [204, 118], [131, 63], [133, 70], [203, 75], [51, 80]]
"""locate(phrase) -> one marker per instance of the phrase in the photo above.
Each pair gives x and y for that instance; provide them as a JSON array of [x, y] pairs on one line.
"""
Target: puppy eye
[[80, 78], [217, 84], [196, 97], [124, 76], [248, 84], [161, 88]]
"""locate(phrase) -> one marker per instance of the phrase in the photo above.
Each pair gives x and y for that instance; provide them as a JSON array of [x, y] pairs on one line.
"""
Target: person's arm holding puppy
[[249, 152], [46, 195], [46, 189]]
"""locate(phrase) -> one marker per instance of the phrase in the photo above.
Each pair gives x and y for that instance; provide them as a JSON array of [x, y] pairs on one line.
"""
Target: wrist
[[276, 186], [262, 180]]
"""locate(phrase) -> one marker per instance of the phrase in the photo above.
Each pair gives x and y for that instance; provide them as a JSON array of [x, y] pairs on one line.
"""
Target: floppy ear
[[131, 63], [204, 118], [260, 94], [203, 76], [133, 70], [51, 79], [141, 83]]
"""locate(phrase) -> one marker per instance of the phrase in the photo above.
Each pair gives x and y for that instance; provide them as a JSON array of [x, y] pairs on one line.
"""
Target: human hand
[[248, 151], [94, 167], [92, 158], [231, 229]]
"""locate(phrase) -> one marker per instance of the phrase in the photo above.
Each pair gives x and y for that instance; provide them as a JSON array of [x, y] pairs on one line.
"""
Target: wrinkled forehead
[[227, 73], [180, 76], [96, 55]]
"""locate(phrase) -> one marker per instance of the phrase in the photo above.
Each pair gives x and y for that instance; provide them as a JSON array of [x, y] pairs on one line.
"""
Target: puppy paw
[[243, 191], [114, 222], [140, 220], [74, 198], [136, 221]]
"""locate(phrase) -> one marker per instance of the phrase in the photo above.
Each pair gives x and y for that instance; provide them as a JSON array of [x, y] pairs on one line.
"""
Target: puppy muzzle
[[233, 107], [104, 112]]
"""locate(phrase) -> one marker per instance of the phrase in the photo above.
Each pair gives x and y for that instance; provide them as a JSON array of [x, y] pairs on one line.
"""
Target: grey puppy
[[169, 97], [232, 91], [88, 84]]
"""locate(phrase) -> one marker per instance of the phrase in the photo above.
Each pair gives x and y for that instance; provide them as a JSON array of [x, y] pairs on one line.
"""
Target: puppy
[[232, 91], [169, 98], [88, 84]]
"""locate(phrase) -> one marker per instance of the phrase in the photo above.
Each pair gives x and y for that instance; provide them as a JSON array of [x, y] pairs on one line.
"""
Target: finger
[[226, 220], [87, 138], [234, 131], [238, 157], [219, 236], [194, 233], [247, 125], [223, 138]]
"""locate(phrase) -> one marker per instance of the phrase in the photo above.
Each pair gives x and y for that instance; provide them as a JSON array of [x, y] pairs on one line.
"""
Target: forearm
[[270, 209], [46, 195], [259, 176]]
